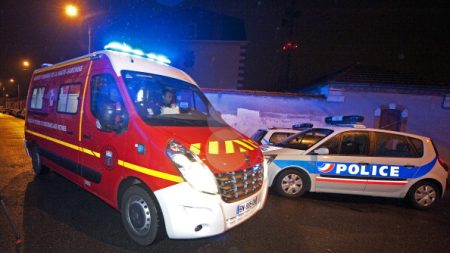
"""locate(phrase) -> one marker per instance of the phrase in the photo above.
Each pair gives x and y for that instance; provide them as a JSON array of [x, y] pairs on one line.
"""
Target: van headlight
[[192, 168]]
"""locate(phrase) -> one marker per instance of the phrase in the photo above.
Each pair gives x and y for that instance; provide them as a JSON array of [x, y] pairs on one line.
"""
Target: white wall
[[248, 112]]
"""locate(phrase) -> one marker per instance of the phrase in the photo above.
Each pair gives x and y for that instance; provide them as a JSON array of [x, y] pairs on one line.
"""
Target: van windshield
[[165, 101]]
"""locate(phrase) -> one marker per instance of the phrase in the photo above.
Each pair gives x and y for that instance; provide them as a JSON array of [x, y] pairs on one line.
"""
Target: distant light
[[122, 47], [71, 10], [11, 80], [25, 63]]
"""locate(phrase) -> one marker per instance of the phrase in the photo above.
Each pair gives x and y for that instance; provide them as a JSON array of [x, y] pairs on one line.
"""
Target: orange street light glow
[[71, 10], [26, 63]]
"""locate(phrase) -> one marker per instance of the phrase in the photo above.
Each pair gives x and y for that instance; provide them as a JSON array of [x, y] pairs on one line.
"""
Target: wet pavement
[[54, 215]]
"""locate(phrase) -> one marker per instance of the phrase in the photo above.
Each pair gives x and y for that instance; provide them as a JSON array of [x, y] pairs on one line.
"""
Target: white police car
[[352, 159]]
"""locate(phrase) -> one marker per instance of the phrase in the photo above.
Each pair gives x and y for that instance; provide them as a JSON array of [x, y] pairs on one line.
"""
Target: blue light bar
[[122, 47]]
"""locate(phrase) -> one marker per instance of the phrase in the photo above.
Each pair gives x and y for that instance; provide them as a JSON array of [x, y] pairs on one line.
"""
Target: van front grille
[[236, 185]]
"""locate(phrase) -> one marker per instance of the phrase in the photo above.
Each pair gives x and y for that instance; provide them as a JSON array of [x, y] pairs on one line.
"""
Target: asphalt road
[[54, 215]]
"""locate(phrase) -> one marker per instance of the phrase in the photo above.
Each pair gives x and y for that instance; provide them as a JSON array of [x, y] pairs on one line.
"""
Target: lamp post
[[72, 11], [3, 93], [11, 80]]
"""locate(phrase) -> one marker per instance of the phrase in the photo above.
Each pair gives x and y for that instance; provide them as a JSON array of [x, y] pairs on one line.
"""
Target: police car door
[[397, 159], [343, 169]]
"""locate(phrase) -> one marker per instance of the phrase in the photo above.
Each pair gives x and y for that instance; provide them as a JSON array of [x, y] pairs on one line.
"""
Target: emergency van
[[140, 135], [351, 159]]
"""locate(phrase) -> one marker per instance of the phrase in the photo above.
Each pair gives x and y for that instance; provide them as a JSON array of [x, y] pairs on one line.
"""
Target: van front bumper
[[189, 213]]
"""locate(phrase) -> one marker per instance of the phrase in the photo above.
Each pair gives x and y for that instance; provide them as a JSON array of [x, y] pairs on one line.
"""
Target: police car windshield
[[165, 101], [305, 139]]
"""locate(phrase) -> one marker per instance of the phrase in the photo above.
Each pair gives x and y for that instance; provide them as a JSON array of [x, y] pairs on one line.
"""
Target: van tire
[[423, 195], [140, 215], [36, 162], [292, 183]]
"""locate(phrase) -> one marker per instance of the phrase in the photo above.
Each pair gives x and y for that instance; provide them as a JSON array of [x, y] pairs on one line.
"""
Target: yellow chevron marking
[[213, 147], [229, 147], [251, 142], [243, 144], [195, 148]]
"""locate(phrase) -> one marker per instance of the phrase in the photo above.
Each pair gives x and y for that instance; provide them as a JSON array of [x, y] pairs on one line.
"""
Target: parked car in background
[[352, 159], [274, 135]]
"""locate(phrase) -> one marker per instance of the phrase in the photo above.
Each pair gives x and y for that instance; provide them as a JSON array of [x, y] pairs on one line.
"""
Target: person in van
[[169, 105]]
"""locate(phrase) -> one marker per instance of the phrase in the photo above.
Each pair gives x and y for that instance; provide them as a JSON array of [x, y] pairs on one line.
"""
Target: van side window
[[68, 98], [37, 98], [393, 145], [107, 105]]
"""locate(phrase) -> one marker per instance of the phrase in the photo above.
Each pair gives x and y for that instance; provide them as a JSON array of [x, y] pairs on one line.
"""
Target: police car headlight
[[192, 168], [269, 158]]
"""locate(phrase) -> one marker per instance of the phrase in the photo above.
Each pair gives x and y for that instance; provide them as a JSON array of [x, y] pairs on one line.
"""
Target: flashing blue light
[[122, 47]]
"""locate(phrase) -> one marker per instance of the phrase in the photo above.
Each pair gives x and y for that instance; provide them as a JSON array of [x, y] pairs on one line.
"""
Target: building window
[[68, 98], [37, 98]]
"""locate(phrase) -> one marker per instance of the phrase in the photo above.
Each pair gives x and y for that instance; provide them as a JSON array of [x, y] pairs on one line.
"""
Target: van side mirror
[[321, 151]]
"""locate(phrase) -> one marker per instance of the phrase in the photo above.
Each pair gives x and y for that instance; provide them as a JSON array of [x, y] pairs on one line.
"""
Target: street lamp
[[25, 64], [71, 10]]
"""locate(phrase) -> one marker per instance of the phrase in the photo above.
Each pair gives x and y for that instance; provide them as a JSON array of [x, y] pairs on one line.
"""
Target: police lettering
[[364, 170]]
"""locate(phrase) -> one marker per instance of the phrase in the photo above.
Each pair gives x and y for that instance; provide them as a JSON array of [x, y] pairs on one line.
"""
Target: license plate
[[242, 208]]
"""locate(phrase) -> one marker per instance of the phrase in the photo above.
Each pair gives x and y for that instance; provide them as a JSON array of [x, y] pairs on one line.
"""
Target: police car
[[275, 135], [351, 159]]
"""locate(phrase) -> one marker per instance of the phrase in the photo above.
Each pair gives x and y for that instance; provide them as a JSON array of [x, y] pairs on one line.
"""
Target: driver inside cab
[[169, 105]]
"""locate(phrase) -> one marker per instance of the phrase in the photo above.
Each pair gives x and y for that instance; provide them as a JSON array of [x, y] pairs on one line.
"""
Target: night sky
[[405, 37]]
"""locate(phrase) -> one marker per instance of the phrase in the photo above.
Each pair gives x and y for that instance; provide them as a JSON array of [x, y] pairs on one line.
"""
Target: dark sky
[[396, 35]]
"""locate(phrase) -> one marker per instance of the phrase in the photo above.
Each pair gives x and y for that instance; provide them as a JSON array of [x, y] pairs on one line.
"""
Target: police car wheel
[[140, 215], [423, 195], [36, 162], [292, 183]]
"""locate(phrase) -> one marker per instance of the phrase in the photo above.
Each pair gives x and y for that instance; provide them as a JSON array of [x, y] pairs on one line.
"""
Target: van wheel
[[140, 215], [292, 183], [423, 195], [38, 168]]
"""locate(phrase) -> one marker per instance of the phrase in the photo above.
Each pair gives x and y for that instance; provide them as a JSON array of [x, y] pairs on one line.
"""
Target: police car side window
[[355, 143], [393, 145], [332, 145]]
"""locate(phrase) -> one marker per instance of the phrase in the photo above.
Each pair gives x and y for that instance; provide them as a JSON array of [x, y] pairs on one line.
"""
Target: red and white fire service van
[[141, 136]]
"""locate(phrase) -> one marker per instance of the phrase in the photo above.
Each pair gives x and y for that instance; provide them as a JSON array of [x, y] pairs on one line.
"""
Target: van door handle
[[87, 137], [361, 163], [69, 132], [408, 166]]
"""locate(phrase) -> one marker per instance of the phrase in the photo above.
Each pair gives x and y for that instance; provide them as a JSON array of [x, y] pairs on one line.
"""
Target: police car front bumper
[[189, 213]]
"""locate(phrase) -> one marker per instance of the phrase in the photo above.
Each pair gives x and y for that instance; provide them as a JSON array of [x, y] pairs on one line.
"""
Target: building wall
[[214, 64], [248, 112]]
